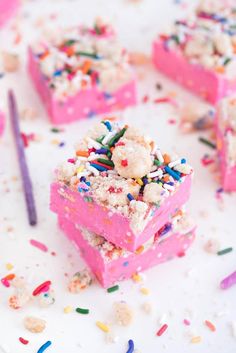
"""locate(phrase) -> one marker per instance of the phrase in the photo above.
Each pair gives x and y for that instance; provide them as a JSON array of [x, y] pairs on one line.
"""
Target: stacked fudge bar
[[226, 141], [200, 53], [121, 201], [82, 71]]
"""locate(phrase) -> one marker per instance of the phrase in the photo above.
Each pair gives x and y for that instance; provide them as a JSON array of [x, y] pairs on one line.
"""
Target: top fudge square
[[200, 52], [80, 72], [120, 185]]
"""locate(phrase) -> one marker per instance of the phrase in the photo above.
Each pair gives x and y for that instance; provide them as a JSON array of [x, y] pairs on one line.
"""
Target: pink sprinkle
[[162, 330], [39, 245], [171, 121], [5, 282], [186, 322], [228, 281]]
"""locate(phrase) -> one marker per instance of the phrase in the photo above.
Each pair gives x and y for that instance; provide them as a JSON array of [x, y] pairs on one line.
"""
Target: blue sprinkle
[[145, 181], [83, 179], [131, 346], [166, 229], [126, 263], [61, 144], [130, 197], [108, 125], [183, 160], [98, 167], [102, 151], [173, 173], [107, 95], [171, 183], [44, 347], [57, 73], [87, 183]]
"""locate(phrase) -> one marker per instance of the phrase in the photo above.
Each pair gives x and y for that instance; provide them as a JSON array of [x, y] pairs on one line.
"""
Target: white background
[[184, 288]]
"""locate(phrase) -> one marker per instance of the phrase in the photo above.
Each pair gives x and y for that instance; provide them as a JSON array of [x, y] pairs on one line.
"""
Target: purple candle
[[27, 185], [228, 281]]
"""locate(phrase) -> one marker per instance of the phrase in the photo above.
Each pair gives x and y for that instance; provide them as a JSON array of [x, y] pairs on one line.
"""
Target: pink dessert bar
[[2, 123], [80, 72], [111, 264], [8, 9], [119, 185], [200, 53], [226, 142]]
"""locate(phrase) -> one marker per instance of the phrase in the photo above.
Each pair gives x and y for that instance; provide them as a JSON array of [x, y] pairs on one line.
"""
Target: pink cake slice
[[82, 73], [2, 123], [226, 142], [126, 194], [198, 57], [111, 264], [8, 8]]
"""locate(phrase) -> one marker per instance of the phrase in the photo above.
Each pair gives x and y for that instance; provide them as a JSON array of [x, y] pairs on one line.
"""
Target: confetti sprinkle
[[82, 311], [145, 291], [207, 142], [44, 347], [38, 245], [210, 325], [229, 281], [68, 309], [131, 346], [224, 251], [42, 288], [196, 339], [102, 326], [162, 330], [186, 322], [113, 289]]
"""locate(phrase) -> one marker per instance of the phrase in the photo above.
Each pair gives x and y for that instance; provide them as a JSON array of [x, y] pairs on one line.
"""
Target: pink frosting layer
[[2, 123], [122, 268], [86, 103], [205, 83], [113, 226], [8, 9], [228, 173]]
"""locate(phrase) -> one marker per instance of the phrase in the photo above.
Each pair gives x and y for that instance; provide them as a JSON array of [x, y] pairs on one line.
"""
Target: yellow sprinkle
[[80, 169], [139, 181], [55, 142], [9, 266], [67, 309], [144, 291], [136, 277], [102, 326], [196, 339]]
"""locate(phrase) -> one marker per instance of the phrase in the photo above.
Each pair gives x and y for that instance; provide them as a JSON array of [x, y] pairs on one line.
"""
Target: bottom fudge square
[[111, 264], [120, 185]]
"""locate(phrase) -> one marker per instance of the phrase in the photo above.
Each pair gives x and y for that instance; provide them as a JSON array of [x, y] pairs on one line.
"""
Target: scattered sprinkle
[[196, 339], [44, 347], [210, 325], [162, 330], [102, 326], [113, 289], [82, 311], [207, 142], [224, 251], [68, 309], [145, 291], [131, 346], [41, 288], [229, 281], [39, 245], [186, 322], [23, 341]]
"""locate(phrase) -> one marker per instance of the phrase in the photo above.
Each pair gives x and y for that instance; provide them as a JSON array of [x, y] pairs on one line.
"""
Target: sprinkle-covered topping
[[209, 38], [120, 168], [79, 58]]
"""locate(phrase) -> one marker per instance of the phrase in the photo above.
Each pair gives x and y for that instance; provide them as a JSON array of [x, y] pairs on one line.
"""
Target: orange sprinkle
[[166, 158], [139, 250], [110, 118], [44, 55], [10, 277], [166, 178], [220, 69], [210, 325], [86, 66], [112, 149], [82, 153], [152, 144], [70, 51]]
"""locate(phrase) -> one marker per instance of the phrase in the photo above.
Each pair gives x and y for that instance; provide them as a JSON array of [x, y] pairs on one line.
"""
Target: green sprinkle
[[69, 42], [116, 138], [207, 142], [90, 55], [82, 311], [113, 289], [105, 161], [224, 251], [157, 162], [226, 61], [99, 139], [175, 38], [88, 199], [55, 129]]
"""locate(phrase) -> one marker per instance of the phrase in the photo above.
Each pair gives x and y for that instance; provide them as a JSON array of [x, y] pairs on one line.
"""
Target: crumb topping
[[81, 58]]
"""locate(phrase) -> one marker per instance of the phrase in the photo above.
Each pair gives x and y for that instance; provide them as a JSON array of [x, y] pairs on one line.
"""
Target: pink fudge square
[[75, 82], [111, 264], [196, 56], [2, 123], [8, 8], [226, 142], [128, 199]]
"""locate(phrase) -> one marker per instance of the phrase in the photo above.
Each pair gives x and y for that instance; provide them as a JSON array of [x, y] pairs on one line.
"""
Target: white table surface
[[183, 288]]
